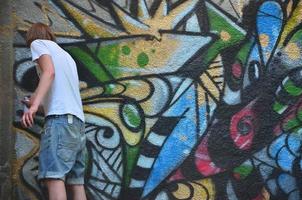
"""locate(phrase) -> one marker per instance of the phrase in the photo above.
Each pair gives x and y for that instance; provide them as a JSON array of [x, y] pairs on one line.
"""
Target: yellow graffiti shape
[[109, 108], [293, 51], [91, 92], [136, 89], [143, 25], [92, 28], [162, 20], [49, 16], [225, 36], [196, 190], [264, 40], [158, 53], [293, 22]]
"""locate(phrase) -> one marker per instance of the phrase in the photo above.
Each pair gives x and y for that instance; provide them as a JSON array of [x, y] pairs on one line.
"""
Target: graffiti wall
[[183, 99]]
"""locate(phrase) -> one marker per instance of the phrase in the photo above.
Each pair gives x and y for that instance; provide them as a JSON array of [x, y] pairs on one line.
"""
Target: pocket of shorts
[[67, 145]]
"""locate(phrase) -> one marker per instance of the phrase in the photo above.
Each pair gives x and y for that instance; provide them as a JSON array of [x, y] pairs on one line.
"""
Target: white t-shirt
[[63, 97]]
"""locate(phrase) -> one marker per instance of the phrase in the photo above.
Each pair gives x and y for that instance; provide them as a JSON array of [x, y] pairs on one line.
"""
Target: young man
[[62, 146]]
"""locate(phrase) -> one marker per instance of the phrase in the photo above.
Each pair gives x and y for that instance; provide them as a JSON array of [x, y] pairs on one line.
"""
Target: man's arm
[[47, 76], [29, 102], [46, 79]]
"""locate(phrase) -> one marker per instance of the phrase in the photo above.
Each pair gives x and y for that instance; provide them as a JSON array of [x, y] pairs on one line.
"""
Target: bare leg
[[77, 192], [56, 189]]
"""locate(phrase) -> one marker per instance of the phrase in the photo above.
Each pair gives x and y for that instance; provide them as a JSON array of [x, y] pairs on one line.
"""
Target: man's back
[[63, 96]]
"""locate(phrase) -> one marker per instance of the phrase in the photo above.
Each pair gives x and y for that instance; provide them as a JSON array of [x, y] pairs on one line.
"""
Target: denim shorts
[[63, 149]]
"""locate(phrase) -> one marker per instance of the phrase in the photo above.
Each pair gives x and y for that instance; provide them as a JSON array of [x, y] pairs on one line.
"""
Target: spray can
[[25, 108]]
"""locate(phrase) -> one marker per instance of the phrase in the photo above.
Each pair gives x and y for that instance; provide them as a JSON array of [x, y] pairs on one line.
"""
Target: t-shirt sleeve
[[38, 48]]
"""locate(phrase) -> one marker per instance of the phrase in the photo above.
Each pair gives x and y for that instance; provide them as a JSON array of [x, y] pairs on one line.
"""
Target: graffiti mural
[[183, 99]]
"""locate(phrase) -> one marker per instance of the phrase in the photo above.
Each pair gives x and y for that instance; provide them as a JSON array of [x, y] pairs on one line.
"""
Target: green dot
[[142, 59], [131, 116], [126, 50], [153, 50]]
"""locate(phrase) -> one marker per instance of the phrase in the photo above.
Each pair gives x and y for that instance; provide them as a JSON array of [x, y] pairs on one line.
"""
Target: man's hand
[[29, 102], [28, 116]]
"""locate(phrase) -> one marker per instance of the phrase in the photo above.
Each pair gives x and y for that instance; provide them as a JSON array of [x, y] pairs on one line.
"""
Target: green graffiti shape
[[142, 59]]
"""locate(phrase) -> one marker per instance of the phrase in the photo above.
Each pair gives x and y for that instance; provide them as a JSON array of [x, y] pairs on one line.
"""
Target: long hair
[[39, 31]]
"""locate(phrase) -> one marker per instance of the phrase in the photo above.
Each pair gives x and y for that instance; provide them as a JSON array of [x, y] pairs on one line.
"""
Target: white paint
[[231, 97], [192, 24], [162, 196], [184, 85], [136, 183], [145, 162], [156, 139]]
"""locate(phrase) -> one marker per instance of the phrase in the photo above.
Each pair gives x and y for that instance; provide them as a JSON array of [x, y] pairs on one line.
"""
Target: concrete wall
[[185, 99], [6, 98]]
